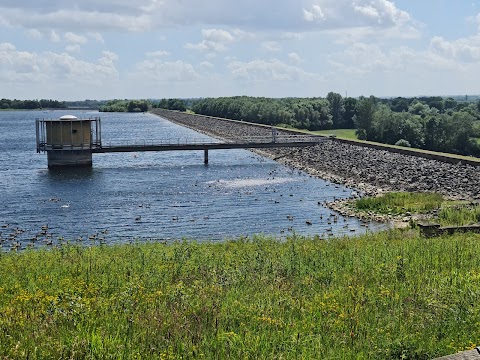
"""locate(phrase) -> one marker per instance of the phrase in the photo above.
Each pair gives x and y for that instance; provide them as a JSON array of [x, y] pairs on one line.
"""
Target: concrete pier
[[69, 158]]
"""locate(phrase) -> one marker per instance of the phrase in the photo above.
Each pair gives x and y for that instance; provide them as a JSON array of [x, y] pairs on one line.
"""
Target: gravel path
[[369, 170]]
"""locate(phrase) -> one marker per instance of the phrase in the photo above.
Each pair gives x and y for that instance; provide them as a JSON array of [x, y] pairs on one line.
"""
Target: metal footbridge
[[69, 141], [189, 144]]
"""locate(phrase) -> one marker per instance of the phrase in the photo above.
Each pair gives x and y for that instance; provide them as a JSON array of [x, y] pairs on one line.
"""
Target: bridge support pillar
[[205, 156]]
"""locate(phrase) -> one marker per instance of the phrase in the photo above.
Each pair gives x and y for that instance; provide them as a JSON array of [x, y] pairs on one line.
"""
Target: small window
[[74, 131]]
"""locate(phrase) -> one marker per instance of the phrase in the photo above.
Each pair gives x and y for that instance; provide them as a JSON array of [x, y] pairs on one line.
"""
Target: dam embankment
[[370, 169]]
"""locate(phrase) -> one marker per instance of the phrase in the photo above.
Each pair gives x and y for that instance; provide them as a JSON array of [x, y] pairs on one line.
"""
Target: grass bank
[[348, 134], [386, 295], [432, 205]]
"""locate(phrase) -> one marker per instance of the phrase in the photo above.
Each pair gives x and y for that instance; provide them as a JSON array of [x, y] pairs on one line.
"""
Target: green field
[[387, 295], [340, 133]]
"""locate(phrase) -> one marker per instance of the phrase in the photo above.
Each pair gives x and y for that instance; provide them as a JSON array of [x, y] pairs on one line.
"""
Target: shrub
[[403, 142], [361, 134]]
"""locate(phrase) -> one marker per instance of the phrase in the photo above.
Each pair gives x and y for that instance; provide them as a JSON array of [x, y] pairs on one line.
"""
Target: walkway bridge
[[183, 144], [69, 141]]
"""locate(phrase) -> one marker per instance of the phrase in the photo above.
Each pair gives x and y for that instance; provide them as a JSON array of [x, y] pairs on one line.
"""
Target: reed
[[386, 295], [459, 215]]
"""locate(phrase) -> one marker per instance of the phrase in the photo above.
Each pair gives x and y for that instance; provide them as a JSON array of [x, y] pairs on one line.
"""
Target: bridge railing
[[203, 141], [44, 146]]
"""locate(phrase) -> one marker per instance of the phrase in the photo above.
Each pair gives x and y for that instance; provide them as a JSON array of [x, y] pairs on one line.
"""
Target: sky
[[136, 49]]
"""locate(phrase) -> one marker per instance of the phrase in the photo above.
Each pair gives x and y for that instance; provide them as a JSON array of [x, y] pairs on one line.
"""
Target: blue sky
[[106, 49]]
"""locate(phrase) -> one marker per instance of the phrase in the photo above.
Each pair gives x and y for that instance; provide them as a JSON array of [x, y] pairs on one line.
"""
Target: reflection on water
[[166, 195], [251, 182], [71, 173]]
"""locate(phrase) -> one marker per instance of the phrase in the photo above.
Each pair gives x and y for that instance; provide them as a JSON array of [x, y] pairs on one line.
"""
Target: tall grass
[[387, 295], [459, 215], [400, 203]]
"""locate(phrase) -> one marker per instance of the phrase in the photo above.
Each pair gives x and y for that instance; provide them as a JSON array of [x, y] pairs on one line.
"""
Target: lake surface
[[153, 195]]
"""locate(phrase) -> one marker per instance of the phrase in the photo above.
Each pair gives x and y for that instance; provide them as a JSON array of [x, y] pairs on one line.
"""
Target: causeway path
[[369, 170]]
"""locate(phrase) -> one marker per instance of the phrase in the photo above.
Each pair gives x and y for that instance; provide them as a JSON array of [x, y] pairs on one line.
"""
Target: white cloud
[[464, 49], [273, 70], [147, 15], [363, 59], [157, 70], [54, 37], [367, 10], [31, 68], [381, 11], [206, 65], [97, 37], [7, 47], [217, 35], [354, 14], [159, 53], [371, 40], [72, 48], [291, 36], [314, 14], [76, 19], [74, 38], [294, 58], [272, 46], [34, 34], [241, 35], [215, 40], [349, 36]]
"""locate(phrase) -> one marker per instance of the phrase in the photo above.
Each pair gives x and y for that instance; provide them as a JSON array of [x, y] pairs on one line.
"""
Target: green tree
[[363, 118], [350, 105], [450, 103], [418, 108], [399, 104], [337, 109]]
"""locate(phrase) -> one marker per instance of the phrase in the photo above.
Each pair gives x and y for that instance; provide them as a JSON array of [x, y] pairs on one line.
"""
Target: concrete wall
[[59, 158]]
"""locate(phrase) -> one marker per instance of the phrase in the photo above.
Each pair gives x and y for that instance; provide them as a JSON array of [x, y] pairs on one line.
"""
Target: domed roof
[[68, 117]]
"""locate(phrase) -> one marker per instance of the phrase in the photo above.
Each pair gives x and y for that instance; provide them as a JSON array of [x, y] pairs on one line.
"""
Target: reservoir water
[[129, 197]]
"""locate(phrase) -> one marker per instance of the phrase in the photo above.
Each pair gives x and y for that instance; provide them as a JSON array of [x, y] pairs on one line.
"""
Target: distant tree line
[[439, 125], [144, 105], [302, 113], [31, 104], [173, 104], [126, 106], [431, 123], [87, 104]]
